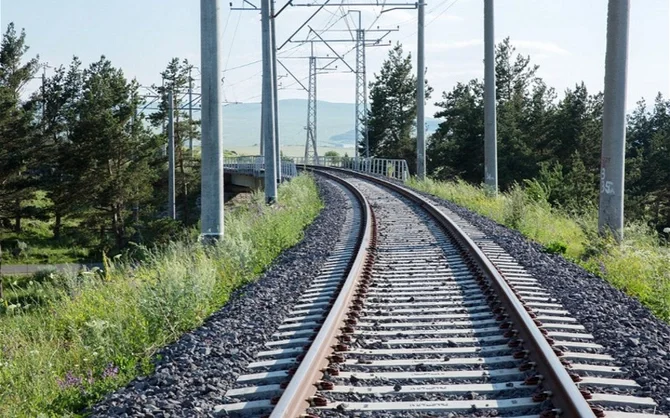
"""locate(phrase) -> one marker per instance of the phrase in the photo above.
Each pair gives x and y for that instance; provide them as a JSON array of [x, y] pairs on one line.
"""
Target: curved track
[[425, 315]]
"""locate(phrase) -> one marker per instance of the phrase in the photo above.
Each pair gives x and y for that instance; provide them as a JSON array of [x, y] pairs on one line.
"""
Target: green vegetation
[[640, 266], [553, 141], [393, 106], [67, 340], [83, 170], [548, 165]]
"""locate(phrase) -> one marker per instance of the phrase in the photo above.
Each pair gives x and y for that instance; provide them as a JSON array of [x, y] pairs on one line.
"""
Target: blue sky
[[566, 38]]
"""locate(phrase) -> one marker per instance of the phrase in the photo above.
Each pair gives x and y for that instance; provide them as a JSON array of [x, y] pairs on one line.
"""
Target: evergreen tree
[[456, 148], [392, 114], [114, 147], [18, 139], [648, 163], [176, 79], [59, 164]]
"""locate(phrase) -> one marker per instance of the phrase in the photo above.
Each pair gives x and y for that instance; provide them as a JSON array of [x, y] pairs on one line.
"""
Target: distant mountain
[[242, 122], [347, 138], [334, 123]]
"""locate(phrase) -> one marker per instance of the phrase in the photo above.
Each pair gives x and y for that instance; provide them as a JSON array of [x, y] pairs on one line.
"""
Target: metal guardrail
[[254, 165], [387, 167]]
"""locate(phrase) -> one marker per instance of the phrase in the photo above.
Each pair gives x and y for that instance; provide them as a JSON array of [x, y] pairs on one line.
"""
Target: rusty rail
[[296, 398]]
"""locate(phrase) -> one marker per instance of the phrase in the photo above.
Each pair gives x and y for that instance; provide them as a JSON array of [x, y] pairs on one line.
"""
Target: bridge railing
[[255, 165], [387, 167]]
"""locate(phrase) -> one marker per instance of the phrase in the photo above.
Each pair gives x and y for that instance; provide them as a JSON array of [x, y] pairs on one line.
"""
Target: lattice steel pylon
[[361, 123], [311, 152]]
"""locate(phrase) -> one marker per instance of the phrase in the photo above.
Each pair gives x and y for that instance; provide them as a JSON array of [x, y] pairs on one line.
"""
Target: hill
[[334, 124]]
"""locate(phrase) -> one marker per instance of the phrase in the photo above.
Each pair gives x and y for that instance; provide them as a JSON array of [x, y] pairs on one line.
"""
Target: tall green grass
[[640, 266], [99, 330]]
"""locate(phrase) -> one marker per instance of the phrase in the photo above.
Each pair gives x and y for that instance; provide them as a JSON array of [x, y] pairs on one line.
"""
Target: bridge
[[249, 171]]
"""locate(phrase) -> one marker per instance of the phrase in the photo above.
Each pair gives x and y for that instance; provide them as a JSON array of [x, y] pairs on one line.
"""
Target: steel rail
[[294, 401], [565, 395]]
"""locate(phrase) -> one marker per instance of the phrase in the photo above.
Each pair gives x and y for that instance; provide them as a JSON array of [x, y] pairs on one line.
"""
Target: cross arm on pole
[[288, 3], [303, 25], [294, 77], [354, 4], [334, 52], [406, 7], [244, 2]]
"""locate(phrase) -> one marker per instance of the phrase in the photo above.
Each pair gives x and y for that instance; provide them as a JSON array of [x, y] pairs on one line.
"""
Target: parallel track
[[432, 317]]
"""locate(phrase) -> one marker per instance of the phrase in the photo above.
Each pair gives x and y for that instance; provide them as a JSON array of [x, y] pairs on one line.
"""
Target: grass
[[40, 245], [95, 332], [640, 266]]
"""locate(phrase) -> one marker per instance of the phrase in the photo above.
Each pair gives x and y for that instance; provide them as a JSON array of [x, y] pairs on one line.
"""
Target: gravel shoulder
[[630, 332], [194, 373]]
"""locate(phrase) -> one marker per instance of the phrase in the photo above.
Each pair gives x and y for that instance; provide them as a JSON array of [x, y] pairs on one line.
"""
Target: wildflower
[[111, 371], [69, 381]]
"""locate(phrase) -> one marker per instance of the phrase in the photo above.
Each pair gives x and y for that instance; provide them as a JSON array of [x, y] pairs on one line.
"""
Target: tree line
[[83, 141], [549, 143]]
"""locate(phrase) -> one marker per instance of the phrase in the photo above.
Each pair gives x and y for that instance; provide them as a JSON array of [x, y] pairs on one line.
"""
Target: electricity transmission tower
[[361, 112], [360, 132], [311, 152], [361, 92], [311, 147]]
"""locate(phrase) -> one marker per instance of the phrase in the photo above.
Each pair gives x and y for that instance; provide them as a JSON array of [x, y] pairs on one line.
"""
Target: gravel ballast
[[638, 340], [194, 373]]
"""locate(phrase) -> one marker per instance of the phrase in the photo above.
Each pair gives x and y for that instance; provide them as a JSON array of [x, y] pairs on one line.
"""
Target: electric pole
[[610, 213], [275, 96], [172, 213], [361, 93], [490, 126], [311, 151], [420, 96], [212, 120], [361, 110], [190, 112], [268, 123]]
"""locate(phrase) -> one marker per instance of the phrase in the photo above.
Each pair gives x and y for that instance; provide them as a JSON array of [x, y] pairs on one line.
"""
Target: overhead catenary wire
[[230, 51], [449, 6], [378, 15]]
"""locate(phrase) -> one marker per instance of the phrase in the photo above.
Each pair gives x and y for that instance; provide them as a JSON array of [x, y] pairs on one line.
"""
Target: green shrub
[[99, 331], [556, 247], [514, 211]]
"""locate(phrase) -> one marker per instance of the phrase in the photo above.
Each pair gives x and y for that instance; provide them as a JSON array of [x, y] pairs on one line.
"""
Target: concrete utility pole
[[268, 123], [275, 96], [172, 212], [490, 127], [610, 214], [212, 120], [420, 96], [190, 112]]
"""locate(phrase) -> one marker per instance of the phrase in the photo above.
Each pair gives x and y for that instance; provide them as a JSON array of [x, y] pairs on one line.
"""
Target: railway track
[[418, 313]]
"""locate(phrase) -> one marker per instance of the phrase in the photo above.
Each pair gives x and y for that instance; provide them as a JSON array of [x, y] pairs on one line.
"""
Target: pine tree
[[176, 79], [457, 147], [392, 114], [18, 139], [114, 147], [59, 164]]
